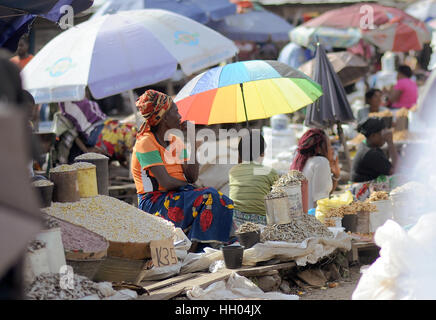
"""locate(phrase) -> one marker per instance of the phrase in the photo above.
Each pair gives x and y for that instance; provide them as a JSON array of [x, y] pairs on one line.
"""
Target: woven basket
[[118, 270]]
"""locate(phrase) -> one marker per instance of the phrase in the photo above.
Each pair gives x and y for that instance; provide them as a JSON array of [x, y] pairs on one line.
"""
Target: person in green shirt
[[250, 181]]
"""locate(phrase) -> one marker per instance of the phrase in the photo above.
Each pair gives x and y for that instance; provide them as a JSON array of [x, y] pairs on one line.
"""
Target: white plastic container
[[383, 213], [35, 264], [55, 248], [279, 122], [278, 141]]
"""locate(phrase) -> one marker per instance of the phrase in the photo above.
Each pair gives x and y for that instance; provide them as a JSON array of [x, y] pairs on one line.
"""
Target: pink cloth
[[409, 94]]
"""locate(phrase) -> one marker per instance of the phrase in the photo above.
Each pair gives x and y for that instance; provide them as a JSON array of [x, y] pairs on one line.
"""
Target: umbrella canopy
[[294, 55], [120, 52], [16, 16], [422, 10], [329, 37], [255, 25], [199, 10], [349, 67], [243, 91], [394, 29], [333, 106]]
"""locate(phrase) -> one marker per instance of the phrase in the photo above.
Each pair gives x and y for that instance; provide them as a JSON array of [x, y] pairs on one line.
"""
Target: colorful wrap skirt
[[205, 214]]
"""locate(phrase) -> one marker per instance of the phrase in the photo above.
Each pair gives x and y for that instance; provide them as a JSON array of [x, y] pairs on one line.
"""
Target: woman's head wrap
[[307, 147], [370, 126], [153, 105]]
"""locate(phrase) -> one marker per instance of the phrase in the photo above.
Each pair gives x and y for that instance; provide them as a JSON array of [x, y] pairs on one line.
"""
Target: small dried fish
[[248, 227]]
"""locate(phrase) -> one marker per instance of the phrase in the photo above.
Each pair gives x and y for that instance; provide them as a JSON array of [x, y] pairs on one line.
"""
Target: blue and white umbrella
[[423, 10], [116, 53], [201, 11], [256, 25]]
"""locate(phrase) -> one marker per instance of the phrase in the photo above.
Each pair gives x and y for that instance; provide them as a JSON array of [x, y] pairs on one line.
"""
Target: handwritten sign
[[163, 253]]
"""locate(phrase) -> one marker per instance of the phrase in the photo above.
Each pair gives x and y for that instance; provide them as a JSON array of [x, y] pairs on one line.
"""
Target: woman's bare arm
[[165, 180]]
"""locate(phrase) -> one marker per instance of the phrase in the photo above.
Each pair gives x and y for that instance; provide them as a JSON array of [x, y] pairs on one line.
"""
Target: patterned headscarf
[[307, 147], [153, 105]]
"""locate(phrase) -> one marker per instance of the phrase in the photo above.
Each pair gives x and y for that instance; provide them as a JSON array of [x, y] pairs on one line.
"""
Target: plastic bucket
[[233, 256], [248, 239], [55, 248], [349, 222], [102, 172], [66, 187], [87, 179]]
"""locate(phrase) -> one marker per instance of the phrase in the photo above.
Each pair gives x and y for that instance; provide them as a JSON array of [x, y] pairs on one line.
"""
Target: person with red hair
[[314, 158]]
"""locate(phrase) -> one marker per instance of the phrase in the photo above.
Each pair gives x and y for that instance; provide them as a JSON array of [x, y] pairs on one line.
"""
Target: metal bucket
[[66, 186], [282, 210]]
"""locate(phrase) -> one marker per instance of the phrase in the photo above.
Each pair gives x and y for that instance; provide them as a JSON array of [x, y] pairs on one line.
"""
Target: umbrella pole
[[243, 100], [344, 143], [133, 106]]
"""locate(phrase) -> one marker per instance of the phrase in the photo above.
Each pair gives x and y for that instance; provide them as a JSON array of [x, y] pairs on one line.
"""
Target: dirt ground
[[343, 291]]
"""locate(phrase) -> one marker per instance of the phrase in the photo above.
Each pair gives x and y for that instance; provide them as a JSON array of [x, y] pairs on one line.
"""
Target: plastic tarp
[[310, 251], [236, 287], [405, 268]]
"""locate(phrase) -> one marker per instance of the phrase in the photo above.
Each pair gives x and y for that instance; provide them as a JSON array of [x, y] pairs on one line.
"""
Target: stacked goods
[[87, 179], [47, 287], [248, 227], [386, 116], [378, 196], [91, 156], [42, 183], [102, 169], [402, 120], [300, 229], [66, 187], [75, 238], [115, 220], [45, 191], [278, 189], [354, 208]]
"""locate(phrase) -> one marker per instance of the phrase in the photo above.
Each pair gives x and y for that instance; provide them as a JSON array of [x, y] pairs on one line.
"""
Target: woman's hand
[[335, 168]]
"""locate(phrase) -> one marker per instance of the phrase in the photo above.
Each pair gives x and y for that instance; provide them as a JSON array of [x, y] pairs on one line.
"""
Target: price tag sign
[[163, 253]]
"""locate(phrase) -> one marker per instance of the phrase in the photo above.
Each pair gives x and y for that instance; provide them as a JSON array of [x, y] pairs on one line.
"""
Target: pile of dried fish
[[47, 286], [300, 229], [352, 208], [248, 227], [378, 195], [49, 222], [291, 178], [35, 245]]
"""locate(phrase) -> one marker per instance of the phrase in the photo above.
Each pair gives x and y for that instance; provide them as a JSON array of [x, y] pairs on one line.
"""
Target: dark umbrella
[[333, 107], [16, 16]]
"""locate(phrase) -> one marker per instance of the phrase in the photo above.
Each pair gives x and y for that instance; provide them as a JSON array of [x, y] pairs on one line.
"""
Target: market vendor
[[250, 181], [164, 178], [314, 158], [405, 93], [373, 100], [370, 161], [97, 132]]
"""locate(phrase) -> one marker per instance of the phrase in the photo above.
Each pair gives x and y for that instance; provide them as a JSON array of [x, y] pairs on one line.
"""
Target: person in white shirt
[[314, 158]]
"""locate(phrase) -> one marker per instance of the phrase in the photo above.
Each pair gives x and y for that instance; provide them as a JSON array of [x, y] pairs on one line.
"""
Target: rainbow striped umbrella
[[247, 90]]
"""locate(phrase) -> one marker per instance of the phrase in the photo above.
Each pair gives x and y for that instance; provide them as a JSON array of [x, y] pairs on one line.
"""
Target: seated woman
[[405, 93], [370, 161], [164, 178], [250, 181], [314, 159], [373, 100]]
